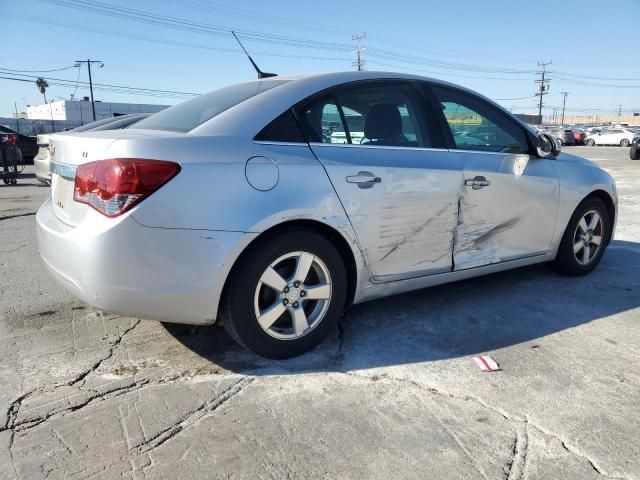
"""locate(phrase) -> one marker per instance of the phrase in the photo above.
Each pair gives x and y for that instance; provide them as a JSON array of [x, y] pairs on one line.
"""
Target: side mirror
[[548, 146]]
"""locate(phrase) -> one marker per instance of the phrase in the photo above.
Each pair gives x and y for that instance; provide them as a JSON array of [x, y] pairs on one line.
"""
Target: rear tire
[[624, 142], [275, 311], [634, 153], [590, 143], [584, 239]]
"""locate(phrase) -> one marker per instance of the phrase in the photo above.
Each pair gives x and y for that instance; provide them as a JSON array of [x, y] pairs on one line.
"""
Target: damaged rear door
[[399, 192], [509, 198]]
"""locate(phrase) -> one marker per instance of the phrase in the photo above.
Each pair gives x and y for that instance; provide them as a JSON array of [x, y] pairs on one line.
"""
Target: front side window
[[476, 125], [384, 114]]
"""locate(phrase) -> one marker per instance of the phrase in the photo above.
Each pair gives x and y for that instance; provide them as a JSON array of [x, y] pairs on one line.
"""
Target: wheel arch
[[611, 208], [338, 239]]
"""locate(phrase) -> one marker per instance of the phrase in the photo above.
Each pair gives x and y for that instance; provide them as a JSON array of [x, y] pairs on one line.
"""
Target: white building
[[79, 111]]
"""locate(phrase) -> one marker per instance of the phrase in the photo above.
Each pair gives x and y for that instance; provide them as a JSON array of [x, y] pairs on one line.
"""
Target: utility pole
[[89, 62], [543, 85], [564, 102], [619, 112], [15, 104], [359, 63]]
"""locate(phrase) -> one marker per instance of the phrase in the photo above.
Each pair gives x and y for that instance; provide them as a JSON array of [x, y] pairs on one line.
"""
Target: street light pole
[[89, 62]]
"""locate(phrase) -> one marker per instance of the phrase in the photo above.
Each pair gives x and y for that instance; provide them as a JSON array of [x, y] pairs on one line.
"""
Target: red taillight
[[114, 186], [9, 139]]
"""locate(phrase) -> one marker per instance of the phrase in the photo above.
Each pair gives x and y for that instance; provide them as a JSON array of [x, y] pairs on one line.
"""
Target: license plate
[[60, 193]]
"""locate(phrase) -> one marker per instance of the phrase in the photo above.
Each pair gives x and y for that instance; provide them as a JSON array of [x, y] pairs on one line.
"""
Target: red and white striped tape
[[486, 363]]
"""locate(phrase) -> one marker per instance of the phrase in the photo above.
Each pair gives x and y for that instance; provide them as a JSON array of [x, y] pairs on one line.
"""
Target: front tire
[[584, 239], [591, 142], [634, 152], [286, 295], [624, 142]]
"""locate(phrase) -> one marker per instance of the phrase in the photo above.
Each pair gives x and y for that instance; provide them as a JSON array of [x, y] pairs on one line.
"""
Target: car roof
[[253, 114]]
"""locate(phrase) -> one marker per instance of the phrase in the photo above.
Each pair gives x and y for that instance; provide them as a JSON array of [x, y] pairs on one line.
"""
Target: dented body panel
[[514, 216], [404, 223]]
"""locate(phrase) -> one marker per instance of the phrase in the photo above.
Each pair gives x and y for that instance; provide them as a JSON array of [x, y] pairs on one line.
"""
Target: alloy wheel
[[293, 295], [587, 239]]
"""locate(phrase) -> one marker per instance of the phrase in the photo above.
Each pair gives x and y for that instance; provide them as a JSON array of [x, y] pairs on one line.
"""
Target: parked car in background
[[612, 136], [26, 144], [236, 206], [563, 135], [579, 136], [42, 159]]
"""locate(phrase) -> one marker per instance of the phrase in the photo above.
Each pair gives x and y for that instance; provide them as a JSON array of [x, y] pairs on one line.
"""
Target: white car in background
[[613, 136]]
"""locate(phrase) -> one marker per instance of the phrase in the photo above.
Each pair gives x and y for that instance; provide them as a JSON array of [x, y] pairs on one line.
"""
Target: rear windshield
[[188, 115]]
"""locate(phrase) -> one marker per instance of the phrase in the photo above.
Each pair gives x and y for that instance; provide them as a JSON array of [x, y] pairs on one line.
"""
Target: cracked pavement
[[392, 394]]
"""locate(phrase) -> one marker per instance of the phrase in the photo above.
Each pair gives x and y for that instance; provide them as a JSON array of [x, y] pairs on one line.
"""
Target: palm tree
[[42, 85]]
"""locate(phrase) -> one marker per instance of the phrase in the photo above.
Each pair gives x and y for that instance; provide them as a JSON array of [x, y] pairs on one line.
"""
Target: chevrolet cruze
[[273, 205]]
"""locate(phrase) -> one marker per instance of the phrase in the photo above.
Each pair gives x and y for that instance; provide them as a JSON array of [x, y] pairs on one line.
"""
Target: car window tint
[[321, 121], [282, 129], [188, 115], [383, 114], [376, 114], [476, 125]]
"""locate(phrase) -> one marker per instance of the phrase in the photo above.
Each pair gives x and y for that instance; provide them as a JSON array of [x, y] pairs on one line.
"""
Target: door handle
[[364, 179], [477, 183]]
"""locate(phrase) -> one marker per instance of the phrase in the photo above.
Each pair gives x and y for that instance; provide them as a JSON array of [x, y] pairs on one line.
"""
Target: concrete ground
[[393, 394]]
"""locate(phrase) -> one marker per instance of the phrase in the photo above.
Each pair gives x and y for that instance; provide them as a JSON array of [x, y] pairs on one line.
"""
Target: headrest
[[383, 121]]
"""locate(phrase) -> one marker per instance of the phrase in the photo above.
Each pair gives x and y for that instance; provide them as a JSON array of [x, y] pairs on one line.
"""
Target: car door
[[609, 137], [509, 200], [397, 183]]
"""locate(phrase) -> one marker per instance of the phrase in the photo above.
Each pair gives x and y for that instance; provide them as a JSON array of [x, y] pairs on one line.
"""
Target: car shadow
[[458, 319]]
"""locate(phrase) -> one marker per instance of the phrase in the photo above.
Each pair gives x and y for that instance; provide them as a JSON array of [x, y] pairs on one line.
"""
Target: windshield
[[188, 115]]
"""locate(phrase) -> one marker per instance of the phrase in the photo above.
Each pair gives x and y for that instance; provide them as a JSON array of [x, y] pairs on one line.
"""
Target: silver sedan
[[272, 206]]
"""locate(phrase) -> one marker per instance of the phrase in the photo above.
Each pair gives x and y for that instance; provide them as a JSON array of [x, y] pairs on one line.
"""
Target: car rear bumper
[[42, 169], [120, 266]]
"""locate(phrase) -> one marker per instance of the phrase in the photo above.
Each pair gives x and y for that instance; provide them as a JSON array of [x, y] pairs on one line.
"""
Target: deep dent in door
[[474, 233]]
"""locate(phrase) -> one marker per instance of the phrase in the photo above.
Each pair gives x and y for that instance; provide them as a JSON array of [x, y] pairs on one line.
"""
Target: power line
[[223, 31], [516, 98], [113, 33], [38, 71], [106, 87]]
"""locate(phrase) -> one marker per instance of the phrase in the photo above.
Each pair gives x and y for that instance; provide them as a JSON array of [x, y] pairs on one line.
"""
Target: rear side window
[[188, 115], [376, 114], [476, 125], [282, 129]]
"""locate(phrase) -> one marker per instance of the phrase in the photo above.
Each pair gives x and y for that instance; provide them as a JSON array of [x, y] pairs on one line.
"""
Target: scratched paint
[[405, 222], [512, 217]]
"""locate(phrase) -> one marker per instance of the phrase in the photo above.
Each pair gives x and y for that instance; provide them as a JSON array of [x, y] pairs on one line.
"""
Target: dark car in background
[[26, 144], [564, 135], [634, 153], [579, 136]]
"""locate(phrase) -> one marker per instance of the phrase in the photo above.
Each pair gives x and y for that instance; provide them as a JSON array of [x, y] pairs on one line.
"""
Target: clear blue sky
[[492, 47]]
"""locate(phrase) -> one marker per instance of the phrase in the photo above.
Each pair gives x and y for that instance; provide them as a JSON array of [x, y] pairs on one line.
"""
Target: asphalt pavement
[[392, 394]]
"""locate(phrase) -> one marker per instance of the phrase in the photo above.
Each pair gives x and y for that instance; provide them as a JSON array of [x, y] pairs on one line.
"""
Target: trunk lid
[[69, 150]]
